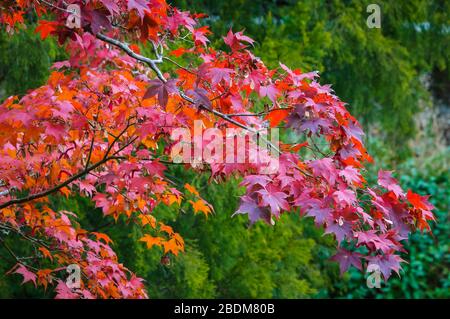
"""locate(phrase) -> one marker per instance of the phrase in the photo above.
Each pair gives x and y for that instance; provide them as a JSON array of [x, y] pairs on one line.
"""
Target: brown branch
[[59, 186], [90, 151]]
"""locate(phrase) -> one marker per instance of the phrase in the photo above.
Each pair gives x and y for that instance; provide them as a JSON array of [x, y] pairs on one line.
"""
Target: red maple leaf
[[45, 28], [139, 5]]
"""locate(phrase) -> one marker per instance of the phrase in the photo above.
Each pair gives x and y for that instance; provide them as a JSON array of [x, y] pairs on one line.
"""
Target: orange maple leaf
[[46, 253], [191, 189], [174, 246], [105, 237], [151, 241], [201, 206], [147, 220]]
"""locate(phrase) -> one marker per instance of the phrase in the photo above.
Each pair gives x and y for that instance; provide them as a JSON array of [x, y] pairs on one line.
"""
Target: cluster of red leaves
[[97, 128]]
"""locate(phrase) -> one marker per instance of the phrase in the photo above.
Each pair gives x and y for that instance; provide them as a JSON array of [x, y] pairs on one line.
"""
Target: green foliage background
[[379, 72]]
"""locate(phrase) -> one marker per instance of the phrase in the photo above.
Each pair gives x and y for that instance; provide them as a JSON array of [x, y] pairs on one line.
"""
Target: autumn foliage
[[101, 128]]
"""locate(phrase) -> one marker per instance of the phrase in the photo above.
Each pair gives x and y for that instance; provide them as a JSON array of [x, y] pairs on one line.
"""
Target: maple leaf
[[44, 277], [200, 35], [147, 220], [353, 129], [111, 5], [56, 130], [255, 212], [419, 202], [325, 168], [346, 259], [320, 214], [386, 180], [64, 292], [27, 275], [276, 200], [64, 110], [139, 5], [173, 245], [99, 21], [201, 206], [219, 74], [251, 181], [103, 237], [386, 264], [17, 115], [297, 147], [314, 125], [45, 28], [152, 241], [191, 189], [276, 116], [233, 40], [178, 52], [200, 97], [340, 229], [46, 253], [351, 175], [155, 168], [371, 238], [346, 197], [298, 76], [270, 91], [101, 200], [162, 90]]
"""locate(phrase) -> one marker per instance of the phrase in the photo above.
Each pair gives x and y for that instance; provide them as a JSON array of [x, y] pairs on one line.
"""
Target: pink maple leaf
[[341, 230], [233, 40], [351, 175], [255, 212], [346, 259], [346, 197], [325, 168], [219, 74], [64, 292], [276, 200], [386, 264], [386, 180], [27, 275], [139, 5], [320, 214], [270, 91]]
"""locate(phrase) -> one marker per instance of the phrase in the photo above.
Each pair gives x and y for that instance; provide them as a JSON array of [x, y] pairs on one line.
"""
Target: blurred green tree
[[25, 61]]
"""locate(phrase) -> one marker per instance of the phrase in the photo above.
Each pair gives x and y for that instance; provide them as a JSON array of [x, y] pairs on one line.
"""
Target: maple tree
[[101, 128]]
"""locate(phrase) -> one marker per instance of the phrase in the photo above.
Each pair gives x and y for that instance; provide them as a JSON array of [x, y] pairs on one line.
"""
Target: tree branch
[[57, 187]]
